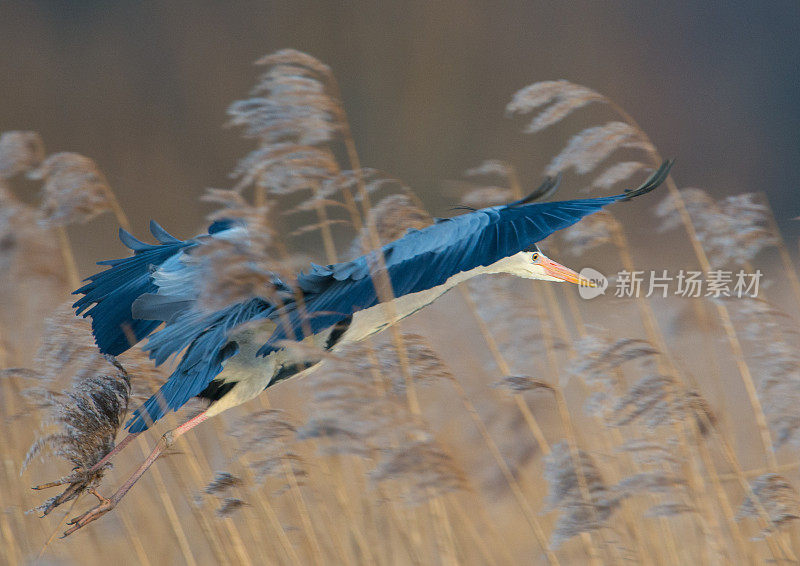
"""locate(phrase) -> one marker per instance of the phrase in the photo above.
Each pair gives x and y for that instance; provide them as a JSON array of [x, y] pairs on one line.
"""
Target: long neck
[[506, 265], [374, 319]]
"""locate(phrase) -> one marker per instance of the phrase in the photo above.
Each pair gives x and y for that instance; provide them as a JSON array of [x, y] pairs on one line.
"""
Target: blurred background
[[142, 88]]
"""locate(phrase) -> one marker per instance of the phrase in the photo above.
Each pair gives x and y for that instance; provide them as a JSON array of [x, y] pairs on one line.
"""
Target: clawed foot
[[79, 481], [78, 475], [93, 514]]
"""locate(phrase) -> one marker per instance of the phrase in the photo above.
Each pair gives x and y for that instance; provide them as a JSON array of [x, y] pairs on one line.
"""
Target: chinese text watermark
[[714, 284]]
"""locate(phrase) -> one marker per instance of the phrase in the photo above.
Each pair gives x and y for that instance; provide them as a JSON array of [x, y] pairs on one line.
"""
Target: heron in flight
[[232, 355]]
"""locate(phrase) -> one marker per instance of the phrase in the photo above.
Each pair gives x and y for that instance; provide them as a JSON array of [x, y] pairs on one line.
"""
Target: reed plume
[[593, 231], [20, 152], [576, 514], [425, 364], [390, 218], [554, 100], [777, 497], [771, 332], [637, 457], [587, 149], [289, 102], [421, 468], [732, 231], [267, 440], [67, 352], [513, 320], [243, 263], [27, 248], [614, 174], [74, 190], [362, 417], [222, 487], [89, 417], [481, 197], [502, 170]]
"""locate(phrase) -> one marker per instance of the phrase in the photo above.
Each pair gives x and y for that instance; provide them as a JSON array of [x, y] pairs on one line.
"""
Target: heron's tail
[[108, 296]]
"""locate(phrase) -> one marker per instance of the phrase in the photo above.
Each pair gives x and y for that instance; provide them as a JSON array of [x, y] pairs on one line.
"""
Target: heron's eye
[[535, 257]]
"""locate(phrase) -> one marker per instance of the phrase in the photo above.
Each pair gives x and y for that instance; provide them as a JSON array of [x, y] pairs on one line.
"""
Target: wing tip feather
[[654, 181]]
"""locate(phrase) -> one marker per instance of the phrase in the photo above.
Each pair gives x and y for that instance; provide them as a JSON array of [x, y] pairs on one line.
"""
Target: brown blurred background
[[142, 88]]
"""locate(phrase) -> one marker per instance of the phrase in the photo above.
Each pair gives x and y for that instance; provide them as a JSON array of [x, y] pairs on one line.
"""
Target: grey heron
[[230, 356]]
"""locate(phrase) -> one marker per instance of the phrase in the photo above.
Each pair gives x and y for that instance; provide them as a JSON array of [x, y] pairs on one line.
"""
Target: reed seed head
[[776, 497], [289, 103], [20, 152], [617, 173], [576, 514], [589, 148], [422, 469], [74, 191], [554, 100], [593, 231]]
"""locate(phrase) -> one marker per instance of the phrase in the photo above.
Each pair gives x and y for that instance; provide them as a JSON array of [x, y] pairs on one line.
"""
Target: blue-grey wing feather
[[427, 258]]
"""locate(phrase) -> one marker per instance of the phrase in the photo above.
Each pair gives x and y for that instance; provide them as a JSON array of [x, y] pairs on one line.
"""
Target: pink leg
[[118, 448], [79, 476], [107, 505]]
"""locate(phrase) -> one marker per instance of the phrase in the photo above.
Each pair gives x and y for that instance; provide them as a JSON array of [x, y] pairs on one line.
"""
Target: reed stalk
[[486, 554], [116, 209], [11, 550], [272, 516], [536, 431], [14, 551], [547, 336], [342, 523], [786, 258], [305, 517], [325, 229], [665, 362], [5, 359], [214, 540], [339, 491], [780, 550], [375, 242], [655, 336], [560, 324], [383, 284], [724, 503], [721, 308], [516, 490], [505, 369], [331, 255], [210, 530], [169, 509], [73, 280]]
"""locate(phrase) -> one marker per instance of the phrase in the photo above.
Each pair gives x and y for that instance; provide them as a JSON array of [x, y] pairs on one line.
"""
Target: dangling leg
[[79, 476], [107, 505], [116, 450]]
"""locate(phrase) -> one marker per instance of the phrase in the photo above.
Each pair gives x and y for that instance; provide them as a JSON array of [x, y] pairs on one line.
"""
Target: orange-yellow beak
[[555, 269]]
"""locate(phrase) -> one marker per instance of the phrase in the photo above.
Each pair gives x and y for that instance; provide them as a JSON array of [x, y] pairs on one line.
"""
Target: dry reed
[[376, 472]]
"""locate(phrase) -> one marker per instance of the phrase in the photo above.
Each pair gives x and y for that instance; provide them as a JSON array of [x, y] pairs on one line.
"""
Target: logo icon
[[600, 281]]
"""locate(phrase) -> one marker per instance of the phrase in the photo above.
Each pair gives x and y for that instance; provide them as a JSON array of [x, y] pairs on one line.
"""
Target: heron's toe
[[78, 475], [91, 515]]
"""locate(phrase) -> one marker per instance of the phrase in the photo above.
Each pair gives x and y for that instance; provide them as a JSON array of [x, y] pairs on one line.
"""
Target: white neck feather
[[372, 320]]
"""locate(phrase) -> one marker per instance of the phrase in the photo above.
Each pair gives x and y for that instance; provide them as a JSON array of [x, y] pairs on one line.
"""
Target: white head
[[533, 264]]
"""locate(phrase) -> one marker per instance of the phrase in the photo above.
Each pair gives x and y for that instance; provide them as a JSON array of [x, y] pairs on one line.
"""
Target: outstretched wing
[[129, 301], [204, 335], [108, 295], [207, 336], [426, 258]]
